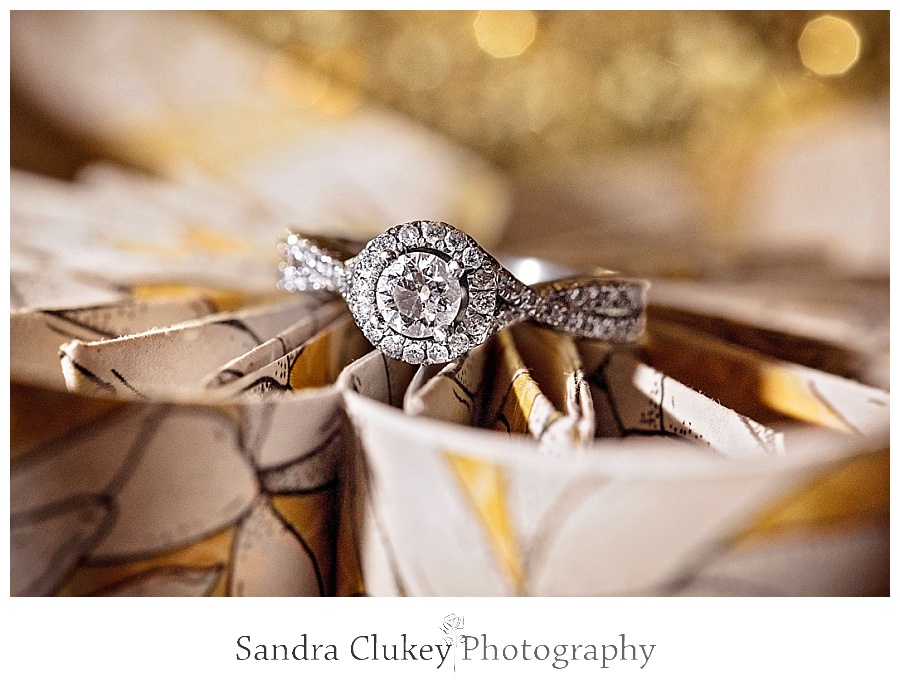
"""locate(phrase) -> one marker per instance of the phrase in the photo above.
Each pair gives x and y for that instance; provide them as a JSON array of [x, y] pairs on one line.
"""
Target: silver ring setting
[[425, 293]]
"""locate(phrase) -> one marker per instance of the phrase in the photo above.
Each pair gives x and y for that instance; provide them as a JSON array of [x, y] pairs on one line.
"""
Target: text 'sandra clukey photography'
[[453, 649]]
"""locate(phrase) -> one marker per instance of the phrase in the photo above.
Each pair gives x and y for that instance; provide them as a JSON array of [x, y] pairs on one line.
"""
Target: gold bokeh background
[[550, 96]]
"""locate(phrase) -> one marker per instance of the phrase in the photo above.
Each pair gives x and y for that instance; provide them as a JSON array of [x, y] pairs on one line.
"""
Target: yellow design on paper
[[311, 516], [348, 568], [517, 406], [521, 390], [322, 359], [855, 492], [786, 392], [483, 483], [313, 365], [766, 389], [210, 552], [59, 415], [221, 299], [207, 240]]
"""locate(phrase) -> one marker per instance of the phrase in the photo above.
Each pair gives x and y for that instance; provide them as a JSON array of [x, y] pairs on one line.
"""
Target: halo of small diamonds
[[420, 293]]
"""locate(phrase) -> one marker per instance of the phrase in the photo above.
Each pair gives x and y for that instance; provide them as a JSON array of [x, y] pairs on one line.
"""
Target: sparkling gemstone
[[482, 301], [433, 234], [418, 293], [476, 324], [385, 242], [471, 257], [364, 290], [409, 235], [374, 335], [392, 345], [438, 353], [455, 240], [459, 343], [373, 329], [363, 272], [481, 279], [414, 352]]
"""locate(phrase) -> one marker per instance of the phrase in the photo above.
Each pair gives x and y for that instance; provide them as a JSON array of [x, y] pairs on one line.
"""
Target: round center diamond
[[418, 293]]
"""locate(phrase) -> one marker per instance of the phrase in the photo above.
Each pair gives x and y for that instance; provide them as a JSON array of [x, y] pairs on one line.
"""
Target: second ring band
[[425, 292]]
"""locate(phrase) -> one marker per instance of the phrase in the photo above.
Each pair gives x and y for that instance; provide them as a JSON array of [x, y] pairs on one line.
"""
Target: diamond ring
[[425, 292]]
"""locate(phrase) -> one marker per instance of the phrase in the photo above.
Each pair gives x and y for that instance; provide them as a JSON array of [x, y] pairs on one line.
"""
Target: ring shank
[[536, 271], [595, 305]]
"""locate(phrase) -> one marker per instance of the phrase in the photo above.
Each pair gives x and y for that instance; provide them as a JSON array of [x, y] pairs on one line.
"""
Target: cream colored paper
[[538, 387], [455, 512]]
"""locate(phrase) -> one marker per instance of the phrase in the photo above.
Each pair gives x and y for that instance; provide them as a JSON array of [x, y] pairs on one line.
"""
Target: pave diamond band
[[425, 292]]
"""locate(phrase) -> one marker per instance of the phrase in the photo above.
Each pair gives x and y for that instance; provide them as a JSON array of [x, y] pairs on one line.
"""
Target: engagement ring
[[425, 292]]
